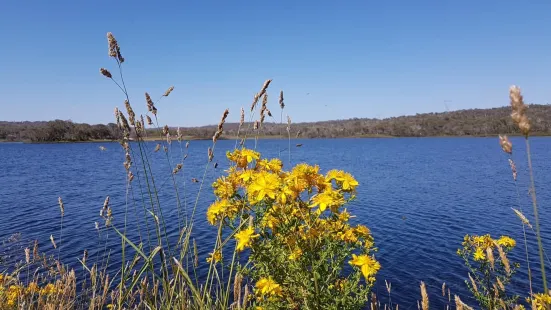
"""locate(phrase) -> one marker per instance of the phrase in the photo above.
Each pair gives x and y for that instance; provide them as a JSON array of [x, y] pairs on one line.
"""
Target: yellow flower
[[285, 194], [349, 236], [273, 165], [242, 157], [506, 241], [264, 185], [344, 179], [215, 210], [295, 254], [368, 265], [32, 288], [244, 238], [216, 256], [328, 198], [247, 175], [362, 231], [267, 286], [479, 254], [541, 301], [48, 289], [223, 188]]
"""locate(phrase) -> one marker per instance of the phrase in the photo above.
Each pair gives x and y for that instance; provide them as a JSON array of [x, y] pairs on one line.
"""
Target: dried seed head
[[522, 217], [237, 281], [211, 154], [165, 130], [106, 202], [61, 206], [268, 112], [105, 73], [114, 49], [130, 177], [177, 168], [260, 94], [96, 225], [168, 138], [500, 285], [124, 124], [388, 286], [131, 114], [288, 123], [281, 103], [187, 144], [444, 289], [424, 297], [149, 121], [503, 257], [473, 283], [150, 106], [53, 241], [519, 110], [84, 257], [506, 144], [242, 118], [168, 91], [513, 168], [490, 255], [118, 118], [27, 255], [157, 148], [256, 125], [246, 297], [179, 135]]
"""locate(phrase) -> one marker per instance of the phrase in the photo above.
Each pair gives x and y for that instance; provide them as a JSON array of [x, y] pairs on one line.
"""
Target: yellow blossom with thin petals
[[245, 238]]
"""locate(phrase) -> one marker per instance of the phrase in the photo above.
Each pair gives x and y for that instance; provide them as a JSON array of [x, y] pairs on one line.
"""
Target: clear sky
[[333, 59]]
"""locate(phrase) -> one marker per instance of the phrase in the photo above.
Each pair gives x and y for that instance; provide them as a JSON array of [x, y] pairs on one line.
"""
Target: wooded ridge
[[472, 122]]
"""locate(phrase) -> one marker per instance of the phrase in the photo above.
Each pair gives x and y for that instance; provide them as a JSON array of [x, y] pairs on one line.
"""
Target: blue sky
[[333, 59]]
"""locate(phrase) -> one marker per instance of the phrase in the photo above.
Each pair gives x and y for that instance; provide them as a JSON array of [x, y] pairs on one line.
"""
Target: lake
[[419, 196]]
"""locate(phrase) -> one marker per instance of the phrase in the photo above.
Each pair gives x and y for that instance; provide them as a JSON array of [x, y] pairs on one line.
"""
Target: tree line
[[472, 122]]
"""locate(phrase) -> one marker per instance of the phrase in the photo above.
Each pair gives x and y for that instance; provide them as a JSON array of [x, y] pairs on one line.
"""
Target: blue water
[[419, 196]]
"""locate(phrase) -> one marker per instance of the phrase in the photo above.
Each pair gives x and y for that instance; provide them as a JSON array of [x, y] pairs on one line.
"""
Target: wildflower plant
[[490, 271], [296, 231]]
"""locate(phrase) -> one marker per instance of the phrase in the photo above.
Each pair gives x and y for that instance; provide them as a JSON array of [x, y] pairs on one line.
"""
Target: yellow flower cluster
[[10, 294], [540, 301], [478, 245], [298, 211]]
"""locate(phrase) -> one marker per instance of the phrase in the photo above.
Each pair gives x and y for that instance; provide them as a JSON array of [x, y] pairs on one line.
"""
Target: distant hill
[[472, 122]]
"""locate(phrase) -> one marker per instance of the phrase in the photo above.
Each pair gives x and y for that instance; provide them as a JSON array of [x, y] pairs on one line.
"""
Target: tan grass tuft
[[388, 286], [157, 148], [460, 305], [424, 297], [27, 255], [131, 114], [84, 257], [490, 255], [281, 102], [237, 281], [114, 49], [150, 106], [513, 169], [210, 154], [444, 289], [504, 259]]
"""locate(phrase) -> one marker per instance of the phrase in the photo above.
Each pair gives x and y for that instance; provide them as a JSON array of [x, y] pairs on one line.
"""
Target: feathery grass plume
[[260, 94], [460, 305], [503, 257], [61, 206], [168, 138], [256, 125], [522, 217], [35, 250], [118, 118], [281, 102], [157, 148], [242, 117], [27, 255], [519, 110], [513, 169], [195, 254], [177, 168], [84, 257], [149, 121], [130, 177], [131, 114], [268, 112], [106, 73], [490, 255], [263, 108], [424, 297], [444, 289], [388, 286], [165, 130], [245, 297], [53, 241], [237, 281], [150, 106], [473, 283], [500, 284], [168, 91], [288, 123], [179, 135], [211, 154], [187, 144], [506, 144], [218, 132], [114, 49], [124, 125]]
